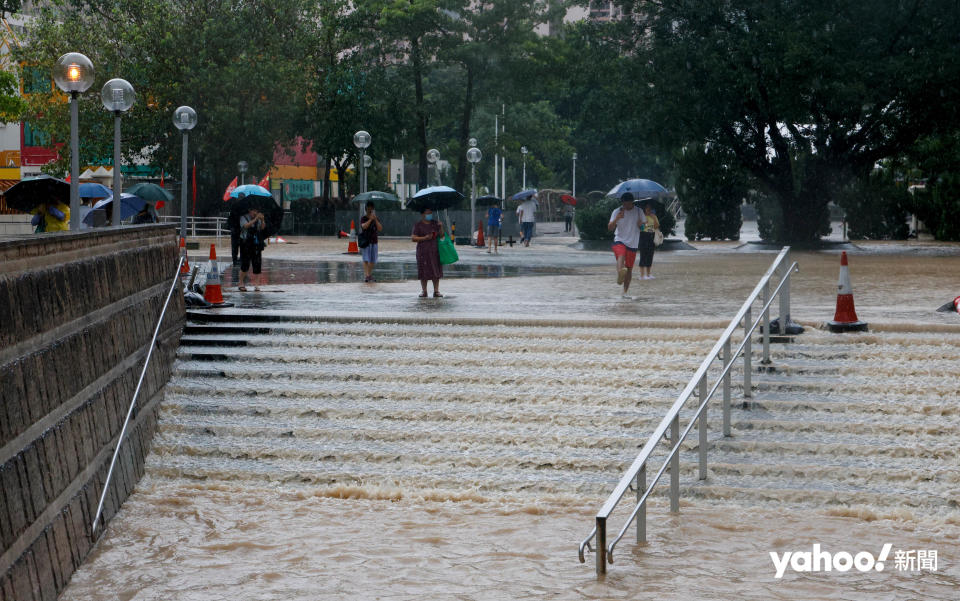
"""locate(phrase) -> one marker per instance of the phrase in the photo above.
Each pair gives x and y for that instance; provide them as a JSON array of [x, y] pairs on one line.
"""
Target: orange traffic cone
[[845, 318], [352, 248], [480, 242], [212, 293], [185, 267]]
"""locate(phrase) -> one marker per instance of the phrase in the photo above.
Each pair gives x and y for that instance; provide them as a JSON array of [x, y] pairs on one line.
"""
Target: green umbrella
[[150, 192], [375, 196]]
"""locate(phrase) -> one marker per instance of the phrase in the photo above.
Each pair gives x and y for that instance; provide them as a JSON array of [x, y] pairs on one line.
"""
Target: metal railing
[[136, 393], [637, 473], [208, 227]]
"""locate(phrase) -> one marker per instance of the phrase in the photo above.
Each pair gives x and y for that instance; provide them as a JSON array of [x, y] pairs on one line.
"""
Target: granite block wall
[[77, 312]]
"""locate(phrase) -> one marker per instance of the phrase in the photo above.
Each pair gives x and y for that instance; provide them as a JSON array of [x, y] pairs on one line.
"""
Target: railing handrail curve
[[136, 392], [656, 437]]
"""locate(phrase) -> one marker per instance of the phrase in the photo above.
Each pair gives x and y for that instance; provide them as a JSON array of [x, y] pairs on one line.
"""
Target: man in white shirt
[[626, 221], [526, 213]]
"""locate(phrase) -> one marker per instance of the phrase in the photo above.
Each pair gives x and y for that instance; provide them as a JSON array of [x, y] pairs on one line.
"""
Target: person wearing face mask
[[425, 234]]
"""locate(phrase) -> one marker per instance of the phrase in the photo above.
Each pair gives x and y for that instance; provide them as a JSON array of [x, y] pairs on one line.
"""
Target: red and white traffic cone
[[185, 266], [952, 306], [845, 317], [212, 292], [480, 240], [352, 248]]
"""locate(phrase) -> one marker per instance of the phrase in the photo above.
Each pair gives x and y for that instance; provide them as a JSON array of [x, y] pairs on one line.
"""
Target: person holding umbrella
[[626, 222], [251, 246], [425, 234], [371, 225], [51, 216]]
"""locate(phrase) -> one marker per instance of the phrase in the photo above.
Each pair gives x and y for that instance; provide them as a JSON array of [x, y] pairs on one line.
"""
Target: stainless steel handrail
[[133, 401], [200, 226], [637, 470]]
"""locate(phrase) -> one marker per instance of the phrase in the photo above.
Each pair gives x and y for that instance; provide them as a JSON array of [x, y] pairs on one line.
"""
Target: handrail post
[[785, 295], [675, 465], [727, 359], [601, 542], [766, 323], [642, 514], [702, 426], [747, 352]]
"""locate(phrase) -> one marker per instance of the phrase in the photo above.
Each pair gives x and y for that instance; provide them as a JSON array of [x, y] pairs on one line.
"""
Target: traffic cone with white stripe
[[352, 248], [845, 318], [185, 266], [953, 306], [212, 292]]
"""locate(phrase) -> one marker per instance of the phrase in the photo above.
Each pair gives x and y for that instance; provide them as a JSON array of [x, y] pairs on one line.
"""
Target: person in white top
[[526, 212], [626, 222]]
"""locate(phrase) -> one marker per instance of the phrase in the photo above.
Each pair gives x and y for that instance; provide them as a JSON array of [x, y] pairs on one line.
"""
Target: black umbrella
[[272, 212], [435, 197], [30, 193]]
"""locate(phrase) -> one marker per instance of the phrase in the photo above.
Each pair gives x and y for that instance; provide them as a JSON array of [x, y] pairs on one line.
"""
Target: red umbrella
[[568, 200]]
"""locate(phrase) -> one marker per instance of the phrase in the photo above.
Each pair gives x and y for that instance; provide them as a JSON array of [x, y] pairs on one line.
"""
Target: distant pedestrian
[[526, 212], [494, 215], [51, 216], [251, 247], [568, 219], [144, 215], [647, 245], [626, 222], [371, 225], [426, 232]]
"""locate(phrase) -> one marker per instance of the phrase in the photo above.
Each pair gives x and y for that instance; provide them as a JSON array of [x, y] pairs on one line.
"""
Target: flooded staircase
[[445, 408]]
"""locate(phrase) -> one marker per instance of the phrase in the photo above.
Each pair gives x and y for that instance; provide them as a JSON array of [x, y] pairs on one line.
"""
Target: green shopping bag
[[448, 252]]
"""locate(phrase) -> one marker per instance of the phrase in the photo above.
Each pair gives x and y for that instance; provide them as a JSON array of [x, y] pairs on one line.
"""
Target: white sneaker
[[650, 277]]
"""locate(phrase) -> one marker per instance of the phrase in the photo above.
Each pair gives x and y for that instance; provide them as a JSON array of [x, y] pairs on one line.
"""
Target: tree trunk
[[421, 115], [326, 180], [465, 131]]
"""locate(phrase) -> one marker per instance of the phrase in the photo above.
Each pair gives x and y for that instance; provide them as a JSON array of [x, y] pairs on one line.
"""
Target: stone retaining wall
[[77, 311]]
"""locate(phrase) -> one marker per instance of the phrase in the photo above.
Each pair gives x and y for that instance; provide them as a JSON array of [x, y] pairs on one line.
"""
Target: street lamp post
[[117, 96], [523, 151], [362, 140], [242, 168], [473, 155], [73, 74], [185, 119], [574, 191], [433, 157], [367, 163]]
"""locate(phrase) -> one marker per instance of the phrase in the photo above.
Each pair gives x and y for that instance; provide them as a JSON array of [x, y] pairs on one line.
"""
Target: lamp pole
[[473, 155], [73, 73], [523, 151], [242, 168], [185, 119], [117, 96], [574, 191], [362, 140]]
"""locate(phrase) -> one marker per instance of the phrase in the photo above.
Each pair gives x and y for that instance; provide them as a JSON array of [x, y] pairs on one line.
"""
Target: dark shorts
[[249, 254], [526, 228]]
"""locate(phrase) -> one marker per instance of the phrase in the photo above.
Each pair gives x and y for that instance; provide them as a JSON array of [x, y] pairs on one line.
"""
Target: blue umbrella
[[130, 205], [521, 196], [250, 190], [94, 191], [638, 187]]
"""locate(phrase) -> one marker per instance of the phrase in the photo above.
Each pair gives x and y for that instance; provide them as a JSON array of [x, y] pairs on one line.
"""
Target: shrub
[[876, 208]]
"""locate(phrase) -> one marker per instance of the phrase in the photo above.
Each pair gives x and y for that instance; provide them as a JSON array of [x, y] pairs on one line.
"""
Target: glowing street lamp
[[73, 74], [184, 119], [117, 96]]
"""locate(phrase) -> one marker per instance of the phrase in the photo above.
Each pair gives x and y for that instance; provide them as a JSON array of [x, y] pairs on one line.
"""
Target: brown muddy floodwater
[[397, 453]]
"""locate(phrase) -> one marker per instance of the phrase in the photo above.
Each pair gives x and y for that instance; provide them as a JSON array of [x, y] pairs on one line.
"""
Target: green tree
[[710, 192], [11, 104], [936, 159], [807, 96]]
